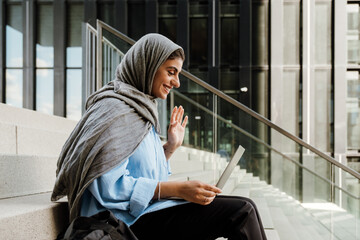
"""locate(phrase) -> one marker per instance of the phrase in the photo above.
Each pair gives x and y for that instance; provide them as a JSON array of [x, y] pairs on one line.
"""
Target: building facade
[[296, 62]]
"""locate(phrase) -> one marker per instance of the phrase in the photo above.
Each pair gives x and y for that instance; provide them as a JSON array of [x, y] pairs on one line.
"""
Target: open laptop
[[228, 170], [230, 167]]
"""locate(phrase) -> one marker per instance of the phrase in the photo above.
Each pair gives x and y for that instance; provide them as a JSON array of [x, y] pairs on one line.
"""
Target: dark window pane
[[14, 87], [167, 27], [230, 41], [136, 19], [229, 81], [73, 94], [198, 42], [14, 36], [45, 90], [198, 34], [45, 43], [106, 12], [74, 49], [167, 19]]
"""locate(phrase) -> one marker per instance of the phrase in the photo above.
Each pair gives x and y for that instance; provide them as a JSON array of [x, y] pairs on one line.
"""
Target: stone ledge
[[32, 217], [23, 175], [33, 119]]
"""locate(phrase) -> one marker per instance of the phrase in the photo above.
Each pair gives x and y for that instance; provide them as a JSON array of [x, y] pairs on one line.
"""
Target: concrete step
[[32, 119], [24, 140], [342, 223], [186, 166], [32, 217], [204, 176], [22, 174], [28, 132]]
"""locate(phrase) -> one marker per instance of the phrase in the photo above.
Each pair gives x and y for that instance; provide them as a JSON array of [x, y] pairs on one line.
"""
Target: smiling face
[[167, 77]]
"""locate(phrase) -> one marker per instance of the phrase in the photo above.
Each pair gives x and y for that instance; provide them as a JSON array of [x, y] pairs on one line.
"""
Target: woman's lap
[[227, 216]]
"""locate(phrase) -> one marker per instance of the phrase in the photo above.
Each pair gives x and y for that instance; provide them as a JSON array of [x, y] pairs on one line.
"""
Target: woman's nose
[[175, 82]]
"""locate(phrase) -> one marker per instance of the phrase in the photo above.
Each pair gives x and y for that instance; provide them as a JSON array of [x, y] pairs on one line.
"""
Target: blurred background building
[[296, 62]]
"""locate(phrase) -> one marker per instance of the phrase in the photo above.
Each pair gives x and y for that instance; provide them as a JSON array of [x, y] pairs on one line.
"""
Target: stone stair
[[30, 143]]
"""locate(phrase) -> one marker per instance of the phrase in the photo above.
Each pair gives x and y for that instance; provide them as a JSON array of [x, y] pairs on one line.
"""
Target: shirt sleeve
[[117, 190]]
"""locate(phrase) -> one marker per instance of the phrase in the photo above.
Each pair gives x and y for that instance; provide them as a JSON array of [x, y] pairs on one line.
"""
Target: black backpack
[[104, 226]]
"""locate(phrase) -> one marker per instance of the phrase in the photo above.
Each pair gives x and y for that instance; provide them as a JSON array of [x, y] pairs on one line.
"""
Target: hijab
[[117, 119]]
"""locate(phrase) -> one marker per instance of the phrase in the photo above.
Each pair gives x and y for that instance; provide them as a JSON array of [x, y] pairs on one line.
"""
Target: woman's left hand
[[176, 131]]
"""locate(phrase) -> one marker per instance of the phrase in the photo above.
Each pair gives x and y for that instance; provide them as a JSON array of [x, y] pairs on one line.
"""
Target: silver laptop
[[230, 167], [228, 170]]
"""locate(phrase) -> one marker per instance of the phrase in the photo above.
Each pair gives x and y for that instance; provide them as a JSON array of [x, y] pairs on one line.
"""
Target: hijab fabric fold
[[117, 118]]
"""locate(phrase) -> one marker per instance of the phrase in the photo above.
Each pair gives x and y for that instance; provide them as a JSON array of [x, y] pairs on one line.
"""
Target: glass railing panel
[[235, 127], [198, 105], [113, 50]]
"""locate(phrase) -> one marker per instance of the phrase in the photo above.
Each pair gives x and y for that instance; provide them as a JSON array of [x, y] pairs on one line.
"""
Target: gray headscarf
[[117, 119]]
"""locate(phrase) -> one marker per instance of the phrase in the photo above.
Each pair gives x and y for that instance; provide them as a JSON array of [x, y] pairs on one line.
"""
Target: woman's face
[[166, 77]]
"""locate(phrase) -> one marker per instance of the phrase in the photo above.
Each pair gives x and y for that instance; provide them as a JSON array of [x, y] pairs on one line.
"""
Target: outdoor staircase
[[30, 143]]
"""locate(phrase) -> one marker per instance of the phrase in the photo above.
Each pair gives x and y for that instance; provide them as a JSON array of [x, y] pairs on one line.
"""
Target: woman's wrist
[[170, 189], [169, 149]]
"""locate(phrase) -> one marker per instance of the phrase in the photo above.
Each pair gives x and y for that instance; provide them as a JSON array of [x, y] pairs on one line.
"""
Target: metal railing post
[[99, 56]]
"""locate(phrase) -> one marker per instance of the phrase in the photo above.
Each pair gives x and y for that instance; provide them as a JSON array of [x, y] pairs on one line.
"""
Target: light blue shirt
[[127, 190]]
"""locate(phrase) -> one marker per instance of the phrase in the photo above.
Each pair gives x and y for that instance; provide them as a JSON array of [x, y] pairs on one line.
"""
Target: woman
[[114, 158]]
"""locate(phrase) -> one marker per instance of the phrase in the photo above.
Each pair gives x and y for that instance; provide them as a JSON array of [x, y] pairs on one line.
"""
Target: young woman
[[114, 158]]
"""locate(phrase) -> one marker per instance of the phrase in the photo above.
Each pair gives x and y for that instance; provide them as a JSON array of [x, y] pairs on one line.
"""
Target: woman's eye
[[171, 73]]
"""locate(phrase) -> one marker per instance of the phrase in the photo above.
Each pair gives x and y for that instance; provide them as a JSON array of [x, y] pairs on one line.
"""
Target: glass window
[[73, 93], [14, 56], [14, 87], [167, 19], [167, 27], [45, 90], [229, 81], [74, 49], [260, 14], [45, 59], [323, 31], [353, 110], [14, 36], [229, 34], [291, 33], [136, 19], [44, 41], [229, 41], [353, 33], [106, 12], [198, 34], [323, 109]]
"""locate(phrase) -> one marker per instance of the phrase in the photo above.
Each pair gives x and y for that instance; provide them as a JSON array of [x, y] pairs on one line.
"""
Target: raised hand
[[176, 131]]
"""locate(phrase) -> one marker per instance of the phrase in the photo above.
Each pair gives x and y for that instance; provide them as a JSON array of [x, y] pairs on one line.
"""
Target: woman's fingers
[[180, 114], [185, 122], [198, 192], [177, 116], [173, 115]]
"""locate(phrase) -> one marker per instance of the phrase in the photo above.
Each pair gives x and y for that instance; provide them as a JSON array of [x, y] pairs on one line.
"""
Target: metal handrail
[[227, 98]]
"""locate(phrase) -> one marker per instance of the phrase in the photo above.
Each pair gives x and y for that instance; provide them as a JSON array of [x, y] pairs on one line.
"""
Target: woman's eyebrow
[[174, 68]]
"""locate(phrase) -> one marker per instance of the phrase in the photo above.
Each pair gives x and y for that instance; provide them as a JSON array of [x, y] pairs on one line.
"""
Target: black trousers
[[231, 217]]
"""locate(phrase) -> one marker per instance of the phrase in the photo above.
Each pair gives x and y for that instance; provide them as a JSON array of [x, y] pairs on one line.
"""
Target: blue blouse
[[127, 190]]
